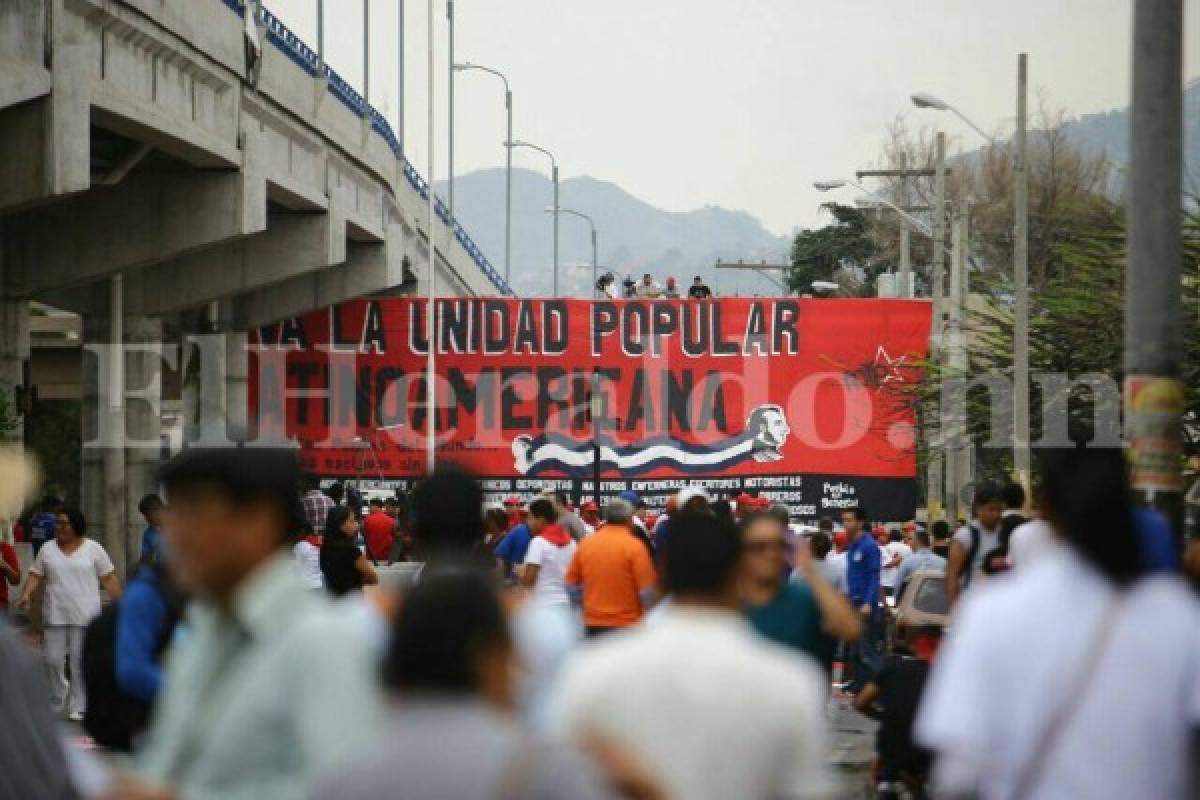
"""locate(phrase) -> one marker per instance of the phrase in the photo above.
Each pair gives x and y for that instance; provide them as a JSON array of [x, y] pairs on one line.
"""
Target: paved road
[[853, 748]]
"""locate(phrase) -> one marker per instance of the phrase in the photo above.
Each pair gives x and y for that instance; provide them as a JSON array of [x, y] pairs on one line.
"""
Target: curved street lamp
[[510, 142], [508, 105], [591, 222], [830, 185]]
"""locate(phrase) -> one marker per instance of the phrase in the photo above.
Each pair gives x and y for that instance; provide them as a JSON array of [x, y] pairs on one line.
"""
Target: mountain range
[[634, 237], [1108, 132]]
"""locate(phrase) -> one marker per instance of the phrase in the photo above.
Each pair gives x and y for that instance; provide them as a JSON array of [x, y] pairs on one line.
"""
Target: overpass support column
[[102, 493], [14, 356], [237, 370], [143, 422]]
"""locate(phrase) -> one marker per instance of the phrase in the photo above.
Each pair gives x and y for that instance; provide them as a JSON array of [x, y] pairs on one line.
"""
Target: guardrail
[[307, 59]]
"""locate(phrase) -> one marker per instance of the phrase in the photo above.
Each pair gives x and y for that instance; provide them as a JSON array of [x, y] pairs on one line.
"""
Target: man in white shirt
[[894, 554], [648, 288], [973, 541], [716, 711]]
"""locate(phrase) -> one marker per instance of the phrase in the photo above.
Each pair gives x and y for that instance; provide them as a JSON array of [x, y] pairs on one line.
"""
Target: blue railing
[[307, 59]]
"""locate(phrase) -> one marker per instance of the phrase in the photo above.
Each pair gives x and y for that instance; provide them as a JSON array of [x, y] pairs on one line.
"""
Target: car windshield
[[931, 596]]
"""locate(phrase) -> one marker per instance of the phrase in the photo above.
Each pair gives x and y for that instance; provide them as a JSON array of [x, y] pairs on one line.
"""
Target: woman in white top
[[548, 556], [1078, 676], [307, 552], [71, 569]]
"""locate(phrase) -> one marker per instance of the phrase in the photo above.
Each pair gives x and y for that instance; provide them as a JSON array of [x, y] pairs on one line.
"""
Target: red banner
[[794, 392]]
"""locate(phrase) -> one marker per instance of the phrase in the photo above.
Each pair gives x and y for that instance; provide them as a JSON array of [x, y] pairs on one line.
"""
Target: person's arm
[[954, 569], [529, 575], [369, 576], [837, 615], [503, 553], [31, 587], [864, 701], [645, 577], [112, 586], [10, 565], [873, 558], [906, 569], [140, 618], [573, 581]]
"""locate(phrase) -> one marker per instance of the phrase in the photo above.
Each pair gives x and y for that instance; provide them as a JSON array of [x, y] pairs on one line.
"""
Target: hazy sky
[[737, 103]]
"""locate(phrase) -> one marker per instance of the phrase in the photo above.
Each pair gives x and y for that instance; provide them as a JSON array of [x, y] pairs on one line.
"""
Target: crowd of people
[[550, 652], [650, 289]]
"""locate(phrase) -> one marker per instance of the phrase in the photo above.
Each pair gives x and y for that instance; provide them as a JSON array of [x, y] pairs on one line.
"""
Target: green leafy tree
[[818, 254]]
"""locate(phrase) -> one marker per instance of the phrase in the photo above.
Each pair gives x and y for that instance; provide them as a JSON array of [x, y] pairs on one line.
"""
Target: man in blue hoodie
[[862, 584]]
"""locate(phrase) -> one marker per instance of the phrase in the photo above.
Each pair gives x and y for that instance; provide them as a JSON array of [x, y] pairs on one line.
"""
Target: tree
[[818, 254]]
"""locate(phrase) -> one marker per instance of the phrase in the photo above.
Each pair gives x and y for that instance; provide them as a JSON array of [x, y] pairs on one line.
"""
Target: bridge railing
[[307, 59]]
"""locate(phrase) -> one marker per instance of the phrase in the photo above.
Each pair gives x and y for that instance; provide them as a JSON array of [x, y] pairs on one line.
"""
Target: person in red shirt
[[379, 529], [10, 571]]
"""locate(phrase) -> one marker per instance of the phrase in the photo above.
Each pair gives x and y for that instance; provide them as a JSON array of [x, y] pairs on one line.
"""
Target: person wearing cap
[[612, 575], [589, 512], [275, 685], [512, 507], [672, 288], [637, 525], [510, 553], [699, 289]]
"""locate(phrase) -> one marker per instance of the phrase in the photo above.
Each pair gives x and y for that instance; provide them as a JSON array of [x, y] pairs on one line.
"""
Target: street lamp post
[[431, 287], [450, 109], [321, 34], [1022, 461], [1021, 456], [508, 105], [554, 175], [592, 223], [367, 53], [826, 186]]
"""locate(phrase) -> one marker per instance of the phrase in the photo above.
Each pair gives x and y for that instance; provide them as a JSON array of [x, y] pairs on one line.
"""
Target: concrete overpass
[[176, 167]]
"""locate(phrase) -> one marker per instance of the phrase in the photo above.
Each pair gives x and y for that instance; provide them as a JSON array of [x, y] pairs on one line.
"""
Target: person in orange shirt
[[612, 575]]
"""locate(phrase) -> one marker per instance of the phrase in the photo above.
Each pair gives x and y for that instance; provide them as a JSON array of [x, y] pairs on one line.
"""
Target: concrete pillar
[[105, 486], [14, 354], [92, 406], [236, 378], [143, 422]]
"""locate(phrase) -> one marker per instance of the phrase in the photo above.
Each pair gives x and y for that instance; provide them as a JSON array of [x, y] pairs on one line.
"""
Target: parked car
[[922, 603]]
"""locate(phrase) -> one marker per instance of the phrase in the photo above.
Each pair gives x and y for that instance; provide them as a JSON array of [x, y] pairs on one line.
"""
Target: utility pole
[[508, 105], [1021, 458], [321, 33], [905, 233], [400, 76], [954, 423], [935, 472], [1154, 352], [450, 106], [431, 287], [367, 56], [904, 173], [554, 169]]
